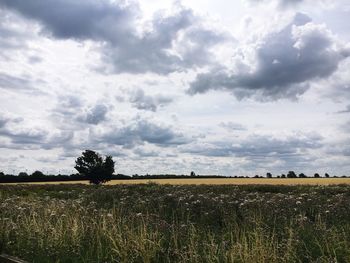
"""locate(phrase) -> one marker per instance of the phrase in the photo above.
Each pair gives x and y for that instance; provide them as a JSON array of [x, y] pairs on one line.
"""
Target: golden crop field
[[222, 181]]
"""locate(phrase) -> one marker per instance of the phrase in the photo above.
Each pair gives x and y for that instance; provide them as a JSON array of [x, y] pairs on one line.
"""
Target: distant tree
[[291, 174], [302, 175], [37, 174], [326, 175], [269, 175], [256, 176], [2, 174], [96, 169], [316, 175], [193, 173], [22, 174], [283, 176]]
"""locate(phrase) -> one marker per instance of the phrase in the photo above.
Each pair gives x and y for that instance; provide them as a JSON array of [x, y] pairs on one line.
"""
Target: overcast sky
[[239, 87]]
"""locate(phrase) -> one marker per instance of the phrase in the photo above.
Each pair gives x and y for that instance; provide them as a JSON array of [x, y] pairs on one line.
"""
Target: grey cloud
[[71, 112], [347, 110], [77, 19], [139, 131], [94, 115], [14, 83], [286, 61], [145, 153], [24, 136], [259, 147], [141, 101], [232, 126], [34, 59], [282, 3], [13, 34], [114, 26]]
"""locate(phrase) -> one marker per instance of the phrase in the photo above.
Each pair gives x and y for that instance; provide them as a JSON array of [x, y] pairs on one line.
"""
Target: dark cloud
[[285, 62], [139, 131], [88, 19], [141, 101], [115, 26]]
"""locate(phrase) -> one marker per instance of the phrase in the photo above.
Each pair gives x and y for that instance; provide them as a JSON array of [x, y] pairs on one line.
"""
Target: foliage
[[94, 168]]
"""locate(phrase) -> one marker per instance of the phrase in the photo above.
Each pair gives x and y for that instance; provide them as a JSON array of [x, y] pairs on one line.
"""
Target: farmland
[[176, 223], [219, 181]]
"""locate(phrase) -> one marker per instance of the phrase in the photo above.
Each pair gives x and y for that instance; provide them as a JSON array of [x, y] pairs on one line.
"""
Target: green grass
[[175, 223]]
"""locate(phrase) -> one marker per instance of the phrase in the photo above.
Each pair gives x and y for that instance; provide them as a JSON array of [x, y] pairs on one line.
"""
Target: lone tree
[[96, 169]]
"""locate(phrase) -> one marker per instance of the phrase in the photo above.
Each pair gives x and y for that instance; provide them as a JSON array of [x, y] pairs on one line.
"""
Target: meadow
[[176, 223]]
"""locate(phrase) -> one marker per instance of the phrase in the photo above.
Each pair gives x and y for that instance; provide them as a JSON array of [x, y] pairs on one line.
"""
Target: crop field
[[175, 223], [220, 181]]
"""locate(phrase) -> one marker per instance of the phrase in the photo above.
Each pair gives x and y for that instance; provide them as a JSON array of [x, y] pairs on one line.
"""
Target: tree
[[193, 174], [326, 175], [22, 174], [302, 175], [316, 175], [37, 174], [96, 169], [268, 175], [291, 174]]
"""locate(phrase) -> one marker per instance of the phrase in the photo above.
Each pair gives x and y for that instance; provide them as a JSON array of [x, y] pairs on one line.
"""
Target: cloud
[[14, 33], [94, 115], [125, 45], [280, 3], [139, 131], [232, 126], [259, 146], [15, 83], [285, 63], [141, 101], [347, 110], [145, 153]]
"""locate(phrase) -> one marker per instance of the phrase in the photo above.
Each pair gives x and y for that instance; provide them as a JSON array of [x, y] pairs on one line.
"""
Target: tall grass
[[153, 223]]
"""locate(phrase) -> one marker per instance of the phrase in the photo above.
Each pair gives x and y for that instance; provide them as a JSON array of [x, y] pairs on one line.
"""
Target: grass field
[[223, 181], [176, 223]]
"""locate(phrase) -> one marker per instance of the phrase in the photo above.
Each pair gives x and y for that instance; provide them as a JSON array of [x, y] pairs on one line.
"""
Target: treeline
[[292, 174], [39, 176]]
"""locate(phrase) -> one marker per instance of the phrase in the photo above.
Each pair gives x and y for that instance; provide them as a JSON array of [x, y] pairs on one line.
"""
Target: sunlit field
[[221, 181], [176, 223]]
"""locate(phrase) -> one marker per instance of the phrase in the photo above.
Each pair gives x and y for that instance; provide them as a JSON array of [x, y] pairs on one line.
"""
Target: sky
[[238, 87]]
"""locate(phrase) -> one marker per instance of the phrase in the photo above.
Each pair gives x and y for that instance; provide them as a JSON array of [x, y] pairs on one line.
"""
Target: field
[[176, 223], [222, 181]]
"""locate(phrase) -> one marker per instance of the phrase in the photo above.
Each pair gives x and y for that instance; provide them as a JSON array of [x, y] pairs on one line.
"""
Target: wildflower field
[[175, 223]]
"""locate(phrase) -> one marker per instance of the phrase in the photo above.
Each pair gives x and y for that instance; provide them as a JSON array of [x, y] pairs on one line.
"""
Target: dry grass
[[223, 181]]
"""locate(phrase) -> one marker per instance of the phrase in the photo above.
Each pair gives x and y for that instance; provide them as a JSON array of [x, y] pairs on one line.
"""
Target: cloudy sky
[[239, 87]]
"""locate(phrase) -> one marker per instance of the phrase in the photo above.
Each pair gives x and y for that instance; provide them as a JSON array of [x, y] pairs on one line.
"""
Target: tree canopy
[[94, 167]]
